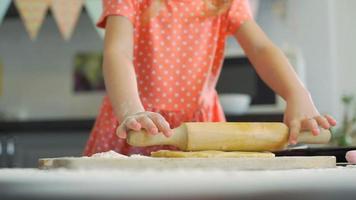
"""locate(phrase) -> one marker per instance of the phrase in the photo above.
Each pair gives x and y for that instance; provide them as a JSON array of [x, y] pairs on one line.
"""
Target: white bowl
[[235, 103]]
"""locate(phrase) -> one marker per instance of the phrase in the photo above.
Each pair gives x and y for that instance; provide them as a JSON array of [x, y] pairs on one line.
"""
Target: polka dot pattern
[[178, 56]]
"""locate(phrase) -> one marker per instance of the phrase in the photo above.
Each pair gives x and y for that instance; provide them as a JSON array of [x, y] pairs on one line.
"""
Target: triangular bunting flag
[[4, 5], [94, 9], [32, 13], [66, 14]]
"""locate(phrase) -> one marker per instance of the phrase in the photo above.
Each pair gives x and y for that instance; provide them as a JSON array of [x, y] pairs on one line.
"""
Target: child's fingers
[[161, 123], [121, 132], [331, 120], [294, 129], [310, 124], [323, 122], [131, 123], [148, 124]]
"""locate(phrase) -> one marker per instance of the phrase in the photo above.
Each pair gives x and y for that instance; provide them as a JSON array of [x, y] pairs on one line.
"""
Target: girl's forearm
[[121, 85], [274, 68], [269, 61]]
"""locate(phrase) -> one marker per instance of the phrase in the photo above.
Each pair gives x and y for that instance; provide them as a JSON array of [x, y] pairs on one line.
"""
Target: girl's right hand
[[152, 122]]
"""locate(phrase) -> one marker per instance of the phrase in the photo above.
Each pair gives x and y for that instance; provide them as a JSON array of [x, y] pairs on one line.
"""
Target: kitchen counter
[[44, 126], [87, 124], [178, 184]]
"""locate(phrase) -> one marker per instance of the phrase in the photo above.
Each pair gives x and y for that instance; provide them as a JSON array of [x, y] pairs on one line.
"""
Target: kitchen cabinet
[[24, 149], [28, 148], [4, 156], [2, 151], [23, 143]]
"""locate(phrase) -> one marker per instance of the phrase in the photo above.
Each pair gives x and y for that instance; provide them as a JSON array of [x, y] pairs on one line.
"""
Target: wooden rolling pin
[[227, 136]]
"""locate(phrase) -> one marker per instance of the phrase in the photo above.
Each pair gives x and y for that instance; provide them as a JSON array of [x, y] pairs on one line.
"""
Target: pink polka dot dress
[[178, 56]]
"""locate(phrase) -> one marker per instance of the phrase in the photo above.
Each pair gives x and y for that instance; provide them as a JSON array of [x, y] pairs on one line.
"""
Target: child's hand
[[301, 115], [152, 122]]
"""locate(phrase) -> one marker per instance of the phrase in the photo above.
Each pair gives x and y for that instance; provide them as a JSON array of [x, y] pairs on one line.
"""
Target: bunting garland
[[32, 13], [94, 10], [4, 6], [66, 14]]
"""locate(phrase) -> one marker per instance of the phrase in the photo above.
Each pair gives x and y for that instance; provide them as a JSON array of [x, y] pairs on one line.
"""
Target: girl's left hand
[[302, 115]]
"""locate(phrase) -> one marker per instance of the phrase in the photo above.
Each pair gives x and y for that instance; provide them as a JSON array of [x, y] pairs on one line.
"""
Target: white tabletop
[[62, 184]]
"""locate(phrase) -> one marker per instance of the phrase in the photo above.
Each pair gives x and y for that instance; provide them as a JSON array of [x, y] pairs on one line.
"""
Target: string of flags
[[65, 12]]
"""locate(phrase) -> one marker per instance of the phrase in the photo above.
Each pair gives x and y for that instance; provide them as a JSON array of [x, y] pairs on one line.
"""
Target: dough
[[351, 157], [211, 154]]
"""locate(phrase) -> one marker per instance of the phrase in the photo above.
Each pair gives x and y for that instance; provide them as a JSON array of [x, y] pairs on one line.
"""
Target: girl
[[162, 59]]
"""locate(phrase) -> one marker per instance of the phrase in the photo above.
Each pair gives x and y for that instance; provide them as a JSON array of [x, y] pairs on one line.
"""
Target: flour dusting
[[113, 154], [108, 154], [138, 156]]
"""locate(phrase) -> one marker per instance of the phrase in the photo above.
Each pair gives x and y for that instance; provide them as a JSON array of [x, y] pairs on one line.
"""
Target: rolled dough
[[211, 154]]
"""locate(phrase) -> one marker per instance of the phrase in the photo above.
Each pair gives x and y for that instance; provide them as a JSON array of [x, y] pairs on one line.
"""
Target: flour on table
[[113, 154], [108, 154], [138, 156]]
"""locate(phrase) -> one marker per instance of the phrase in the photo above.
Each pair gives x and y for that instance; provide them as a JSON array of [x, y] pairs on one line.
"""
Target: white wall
[[345, 28], [38, 75], [313, 26]]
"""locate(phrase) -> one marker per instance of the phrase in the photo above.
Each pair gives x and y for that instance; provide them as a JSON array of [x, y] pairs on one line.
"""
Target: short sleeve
[[125, 8], [238, 13]]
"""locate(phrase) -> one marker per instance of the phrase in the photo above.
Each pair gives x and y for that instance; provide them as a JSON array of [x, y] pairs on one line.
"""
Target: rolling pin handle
[[308, 138]]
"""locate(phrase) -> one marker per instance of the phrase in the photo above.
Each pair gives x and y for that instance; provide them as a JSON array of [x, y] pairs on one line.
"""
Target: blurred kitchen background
[[51, 87]]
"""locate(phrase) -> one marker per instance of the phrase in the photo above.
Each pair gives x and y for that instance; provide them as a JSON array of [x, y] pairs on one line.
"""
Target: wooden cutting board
[[277, 163]]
